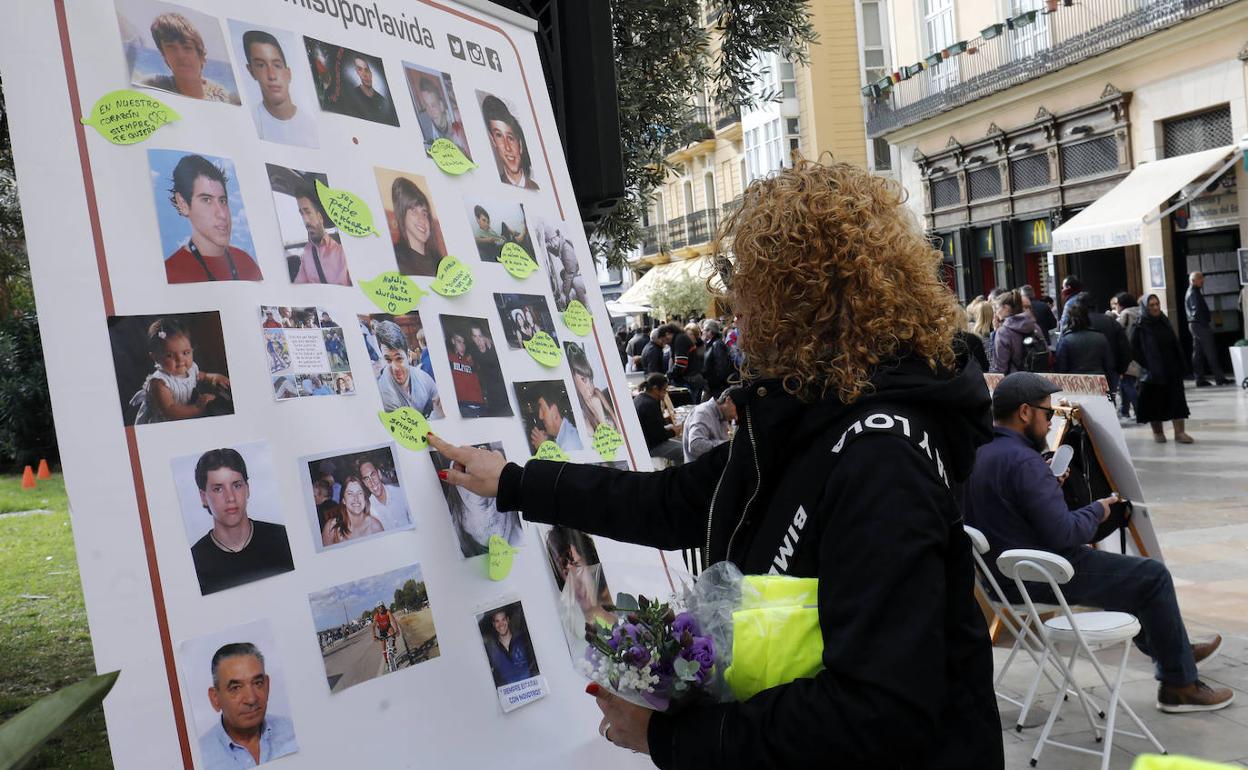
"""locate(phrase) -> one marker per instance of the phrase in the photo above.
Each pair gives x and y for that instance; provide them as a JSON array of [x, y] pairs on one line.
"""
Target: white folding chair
[[1084, 633], [1012, 617]]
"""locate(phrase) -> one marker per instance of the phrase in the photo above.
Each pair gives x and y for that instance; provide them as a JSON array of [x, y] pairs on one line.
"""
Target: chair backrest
[[987, 584], [1027, 564]]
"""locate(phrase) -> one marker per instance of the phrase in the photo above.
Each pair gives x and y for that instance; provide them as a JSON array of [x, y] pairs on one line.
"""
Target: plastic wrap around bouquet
[[727, 637]]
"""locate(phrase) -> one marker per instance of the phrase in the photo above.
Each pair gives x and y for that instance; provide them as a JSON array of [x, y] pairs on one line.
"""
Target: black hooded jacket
[[858, 496]]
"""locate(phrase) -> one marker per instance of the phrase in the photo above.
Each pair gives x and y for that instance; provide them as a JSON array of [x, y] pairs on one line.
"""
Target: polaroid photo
[[546, 415], [204, 234], [350, 83], [480, 389], [507, 142], [374, 626], [437, 109], [495, 223], [170, 367], [354, 496], [557, 255], [310, 241], [415, 232], [524, 315], [593, 392], [399, 352], [176, 50], [306, 352], [232, 512], [475, 518], [278, 87], [509, 651], [236, 684]]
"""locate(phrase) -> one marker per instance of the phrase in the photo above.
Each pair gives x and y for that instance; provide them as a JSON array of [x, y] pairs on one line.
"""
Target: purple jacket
[[1007, 351], [1014, 499]]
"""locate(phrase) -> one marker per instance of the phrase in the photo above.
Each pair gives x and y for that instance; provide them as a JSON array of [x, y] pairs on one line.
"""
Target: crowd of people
[[1131, 343]]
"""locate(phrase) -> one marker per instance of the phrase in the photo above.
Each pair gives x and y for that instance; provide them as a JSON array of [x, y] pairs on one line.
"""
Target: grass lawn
[[44, 643]]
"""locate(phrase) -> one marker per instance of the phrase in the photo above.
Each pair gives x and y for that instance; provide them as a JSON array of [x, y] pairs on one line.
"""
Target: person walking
[[855, 428], [1081, 349], [1204, 352], [1127, 313], [1156, 349], [1016, 333]]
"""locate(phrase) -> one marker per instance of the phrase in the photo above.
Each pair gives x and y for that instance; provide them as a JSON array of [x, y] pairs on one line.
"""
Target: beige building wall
[[829, 93], [1188, 68]]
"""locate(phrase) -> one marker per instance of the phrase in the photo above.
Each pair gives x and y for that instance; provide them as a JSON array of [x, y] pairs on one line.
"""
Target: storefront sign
[[1034, 235]]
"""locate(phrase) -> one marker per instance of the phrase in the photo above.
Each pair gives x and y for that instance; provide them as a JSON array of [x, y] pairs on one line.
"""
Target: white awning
[[1117, 218], [616, 309], [639, 293]]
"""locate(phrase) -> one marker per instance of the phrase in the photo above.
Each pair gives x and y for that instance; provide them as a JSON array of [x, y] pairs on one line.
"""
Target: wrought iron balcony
[[1027, 47], [696, 129], [653, 239], [701, 226], [677, 233], [725, 117]]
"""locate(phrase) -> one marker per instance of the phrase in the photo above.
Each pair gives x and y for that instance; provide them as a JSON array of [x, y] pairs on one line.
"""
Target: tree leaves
[[664, 57]]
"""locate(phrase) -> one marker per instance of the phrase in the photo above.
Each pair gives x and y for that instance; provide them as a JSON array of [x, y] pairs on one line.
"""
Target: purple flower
[[702, 650], [637, 656], [685, 622]]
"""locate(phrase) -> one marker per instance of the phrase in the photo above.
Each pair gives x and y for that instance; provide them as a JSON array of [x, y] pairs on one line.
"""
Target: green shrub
[[26, 429]]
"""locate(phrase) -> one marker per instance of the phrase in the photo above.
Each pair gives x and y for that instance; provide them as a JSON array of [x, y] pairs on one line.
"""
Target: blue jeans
[[1142, 587]]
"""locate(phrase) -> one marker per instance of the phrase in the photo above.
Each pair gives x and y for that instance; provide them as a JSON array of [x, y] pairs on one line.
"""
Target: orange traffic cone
[[28, 478], [43, 472]]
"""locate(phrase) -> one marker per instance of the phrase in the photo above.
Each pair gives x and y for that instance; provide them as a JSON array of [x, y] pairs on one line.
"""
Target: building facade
[[813, 109], [1022, 131]]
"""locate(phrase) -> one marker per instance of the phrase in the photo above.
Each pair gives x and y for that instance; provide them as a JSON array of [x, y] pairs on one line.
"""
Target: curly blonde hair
[[833, 278]]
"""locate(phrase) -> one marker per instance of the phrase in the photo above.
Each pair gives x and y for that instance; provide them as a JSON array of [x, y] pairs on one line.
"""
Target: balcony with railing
[[726, 116], [701, 226], [677, 233], [653, 239], [1024, 48], [696, 128]]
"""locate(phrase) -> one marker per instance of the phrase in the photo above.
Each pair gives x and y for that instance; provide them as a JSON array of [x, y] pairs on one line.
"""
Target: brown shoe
[[1197, 696], [1206, 650]]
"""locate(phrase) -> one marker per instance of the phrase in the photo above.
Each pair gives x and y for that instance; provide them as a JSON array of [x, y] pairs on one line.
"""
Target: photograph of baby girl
[[170, 367]]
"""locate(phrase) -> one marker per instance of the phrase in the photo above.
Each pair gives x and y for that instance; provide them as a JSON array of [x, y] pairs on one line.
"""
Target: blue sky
[[358, 596]]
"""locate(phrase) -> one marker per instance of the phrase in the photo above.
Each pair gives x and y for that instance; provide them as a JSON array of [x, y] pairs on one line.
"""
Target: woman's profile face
[[584, 385]]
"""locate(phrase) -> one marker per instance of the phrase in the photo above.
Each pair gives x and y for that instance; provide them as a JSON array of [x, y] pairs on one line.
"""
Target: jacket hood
[[1022, 323], [957, 404]]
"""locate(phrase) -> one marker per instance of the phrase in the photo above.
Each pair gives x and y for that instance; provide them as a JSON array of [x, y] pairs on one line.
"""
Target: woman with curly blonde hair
[[855, 428]]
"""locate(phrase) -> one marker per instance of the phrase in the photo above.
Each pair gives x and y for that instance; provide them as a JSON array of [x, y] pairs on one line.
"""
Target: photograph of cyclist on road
[[386, 630]]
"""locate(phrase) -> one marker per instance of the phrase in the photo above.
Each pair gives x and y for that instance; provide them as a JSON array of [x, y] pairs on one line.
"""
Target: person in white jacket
[[707, 426]]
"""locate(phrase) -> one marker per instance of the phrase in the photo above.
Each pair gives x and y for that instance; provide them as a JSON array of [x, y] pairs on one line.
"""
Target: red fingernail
[[592, 688], [442, 475], [430, 433]]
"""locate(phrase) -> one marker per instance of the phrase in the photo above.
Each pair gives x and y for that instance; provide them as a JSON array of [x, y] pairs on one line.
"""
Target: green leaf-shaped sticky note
[[549, 450], [347, 211], [516, 260], [544, 349], [126, 116], [501, 557], [577, 318], [454, 278], [408, 426], [393, 293], [607, 441], [448, 157]]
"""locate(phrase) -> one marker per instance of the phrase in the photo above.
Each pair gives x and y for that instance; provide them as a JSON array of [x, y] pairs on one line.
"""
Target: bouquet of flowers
[[652, 653]]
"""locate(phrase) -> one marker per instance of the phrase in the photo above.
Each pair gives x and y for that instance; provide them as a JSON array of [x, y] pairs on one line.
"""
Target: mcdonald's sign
[[1035, 235]]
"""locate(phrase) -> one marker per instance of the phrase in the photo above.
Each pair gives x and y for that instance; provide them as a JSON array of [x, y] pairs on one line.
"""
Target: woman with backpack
[[1018, 345]]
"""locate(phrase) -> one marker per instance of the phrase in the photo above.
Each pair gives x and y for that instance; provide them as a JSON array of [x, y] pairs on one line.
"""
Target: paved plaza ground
[[1198, 498]]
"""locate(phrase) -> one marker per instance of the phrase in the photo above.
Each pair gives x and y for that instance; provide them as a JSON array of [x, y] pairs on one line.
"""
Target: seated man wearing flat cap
[[1014, 499]]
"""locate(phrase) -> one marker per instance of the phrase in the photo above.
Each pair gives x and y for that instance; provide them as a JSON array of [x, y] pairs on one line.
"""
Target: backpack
[[1036, 356]]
